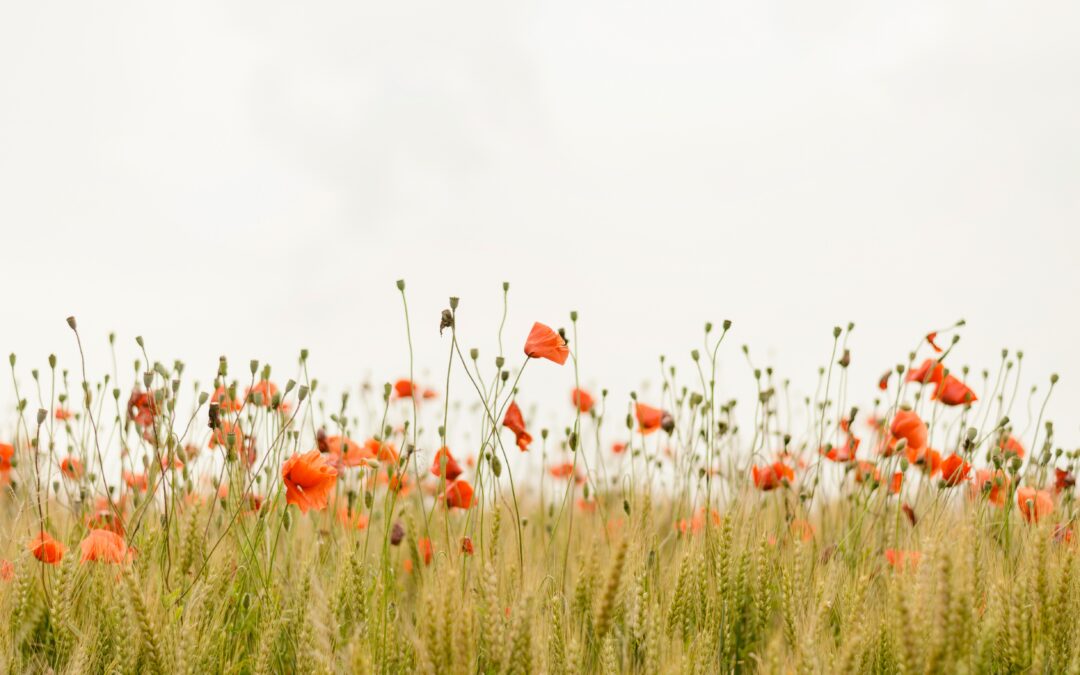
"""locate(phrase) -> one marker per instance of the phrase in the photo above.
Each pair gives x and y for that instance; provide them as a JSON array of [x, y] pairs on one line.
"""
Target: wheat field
[[153, 525]]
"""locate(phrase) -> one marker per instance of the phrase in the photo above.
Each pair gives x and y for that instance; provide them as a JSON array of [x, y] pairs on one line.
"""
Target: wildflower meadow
[[161, 517]]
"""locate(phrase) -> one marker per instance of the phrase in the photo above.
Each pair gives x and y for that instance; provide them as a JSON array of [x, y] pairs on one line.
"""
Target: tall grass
[[667, 556]]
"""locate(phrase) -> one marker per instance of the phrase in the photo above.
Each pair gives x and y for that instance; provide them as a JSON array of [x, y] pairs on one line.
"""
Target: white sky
[[249, 178]]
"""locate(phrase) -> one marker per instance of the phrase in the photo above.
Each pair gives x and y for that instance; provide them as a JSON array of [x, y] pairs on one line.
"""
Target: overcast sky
[[250, 178]]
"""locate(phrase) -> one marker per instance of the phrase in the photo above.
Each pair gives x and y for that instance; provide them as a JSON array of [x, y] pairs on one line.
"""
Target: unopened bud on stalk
[[302, 392], [1053, 378], [499, 362], [474, 353], [290, 385], [401, 284], [694, 355], [71, 323], [573, 315], [42, 415]]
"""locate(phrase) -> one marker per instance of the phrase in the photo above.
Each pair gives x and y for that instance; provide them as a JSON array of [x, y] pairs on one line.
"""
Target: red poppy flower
[[7, 451], [564, 471], [516, 423], [902, 559], [649, 418], [62, 414], [842, 453], [46, 549], [582, 400], [104, 519], [907, 425], [221, 437], [404, 388], [865, 471], [618, 448], [225, 401], [931, 337], [930, 372], [896, 483], [426, 551], [1034, 504], [7, 570], [1009, 445], [309, 480], [1063, 480], [954, 470], [103, 546], [384, 452], [544, 343], [459, 495], [928, 458], [266, 391], [772, 476], [71, 468], [466, 546], [994, 484], [952, 391], [135, 481], [452, 468], [883, 381], [142, 408]]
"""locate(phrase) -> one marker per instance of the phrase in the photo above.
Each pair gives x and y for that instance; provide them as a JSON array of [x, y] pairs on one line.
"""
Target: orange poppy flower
[[177, 463], [221, 437], [896, 483], [104, 519], [930, 372], [931, 337], [544, 343], [772, 476], [952, 391], [466, 546], [618, 448], [1010, 446], [63, 414], [404, 388], [842, 453], [142, 408], [71, 468], [426, 551], [452, 468], [883, 381], [354, 519], [1034, 504], [459, 495], [582, 400], [266, 390], [865, 471], [135, 481], [224, 401], [7, 570], [909, 426], [928, 458], [46, 549], [954, 470], [902, 559], [384, 452], [516, 423], [345, 451], [586, 505], [803, 530], [566, 470], [7, 451], [994, 484], [649, 418], [309, 480], [103, 546]]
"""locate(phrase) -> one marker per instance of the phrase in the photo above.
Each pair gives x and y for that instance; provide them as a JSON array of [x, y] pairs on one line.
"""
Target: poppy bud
[[629, 421], [302, 392], [694, 354], [401, 284], [474, 353], [286, 520], [453, 302], [836, 331], [303, 354], [667, 423], [573, 315], [499, 362], [1053, 378], [571, 441], [52, 360], [71, 322], [41, 415], [845, 360], [446, 321], [496, 466], [506, 285], [116, 394], [11, 359], [397, 533], [148, 379]]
